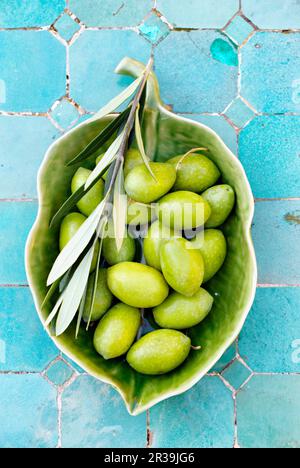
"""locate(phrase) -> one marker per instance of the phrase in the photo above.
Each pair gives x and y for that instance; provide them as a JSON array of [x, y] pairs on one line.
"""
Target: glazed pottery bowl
[[233, 288]]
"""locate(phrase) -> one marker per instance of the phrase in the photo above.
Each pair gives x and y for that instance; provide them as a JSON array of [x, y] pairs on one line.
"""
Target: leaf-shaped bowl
[[166, 135]]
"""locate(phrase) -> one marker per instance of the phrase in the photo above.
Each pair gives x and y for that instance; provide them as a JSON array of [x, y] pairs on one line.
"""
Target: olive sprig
[[71, 269]]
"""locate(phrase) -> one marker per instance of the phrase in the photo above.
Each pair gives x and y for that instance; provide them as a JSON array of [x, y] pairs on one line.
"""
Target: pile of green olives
[[183, 206]]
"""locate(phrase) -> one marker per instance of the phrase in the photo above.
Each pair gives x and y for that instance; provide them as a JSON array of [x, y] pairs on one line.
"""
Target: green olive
[[153, 241], [221, 199], [143, 188], [138, 213], [180, 312], [133, 158], [182, 266], [195, 172], [159, 352], [91, 200], [213, 248], [103, 297], [183, 210], [116, 331], [137, 285], [69, 226], [125, 254]]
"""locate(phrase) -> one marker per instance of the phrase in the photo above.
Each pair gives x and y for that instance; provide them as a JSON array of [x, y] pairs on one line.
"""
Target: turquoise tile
[[268, 342], [59, 373], [16, 220], [74, 366], [66, 27], [65, 114], [191, 79], [268, 411], [28, 412], [239, 30], [273, 14], [225, 52], [276, 237], [24, 141], [113, 13], [226, 359], [94, 416], [90, 76], [191, 14], [269, 151], [24, 14], [270, 72], [220, 126], [239, 113], [33, 69], [236, 374], [27, 346], [203, 417], [154, 29]]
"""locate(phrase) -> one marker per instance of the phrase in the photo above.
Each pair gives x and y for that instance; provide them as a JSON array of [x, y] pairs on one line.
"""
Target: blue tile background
[[212, 71]]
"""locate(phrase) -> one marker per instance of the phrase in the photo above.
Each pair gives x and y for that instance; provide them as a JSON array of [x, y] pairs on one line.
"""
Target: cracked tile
[[154, 29], [239, 30], [59, 373], [268, 411], [33, 81], [24, 14], [65, 114], [192, 14], [66, 27], [115, 13], [28, 412], [216, 82], [239, 113], [236, 374]]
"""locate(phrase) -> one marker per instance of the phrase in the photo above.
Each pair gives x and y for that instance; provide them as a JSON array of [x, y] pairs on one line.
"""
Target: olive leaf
[[80, 312], [99, 234], [118, 100], [102, 138], [120, 209], [54, 310], [57, 285], [72, 201], [73, 293], [139, 139], [76, 245], [107, 159]]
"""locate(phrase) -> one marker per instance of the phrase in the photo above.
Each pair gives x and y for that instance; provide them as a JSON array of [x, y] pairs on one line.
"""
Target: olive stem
[[130, 122], [196, 348]]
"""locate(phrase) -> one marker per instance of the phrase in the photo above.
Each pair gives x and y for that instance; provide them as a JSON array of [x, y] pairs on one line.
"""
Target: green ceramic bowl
[[166, 135]]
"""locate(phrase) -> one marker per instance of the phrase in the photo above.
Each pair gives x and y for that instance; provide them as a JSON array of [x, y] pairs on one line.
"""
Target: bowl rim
[[247, 232]]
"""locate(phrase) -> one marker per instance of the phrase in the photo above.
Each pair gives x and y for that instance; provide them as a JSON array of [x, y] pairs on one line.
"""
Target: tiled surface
[[49, 79], [181, 422], [94, 416]]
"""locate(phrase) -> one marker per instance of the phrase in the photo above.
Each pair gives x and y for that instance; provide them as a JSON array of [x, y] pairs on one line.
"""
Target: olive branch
[[70, 272]]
